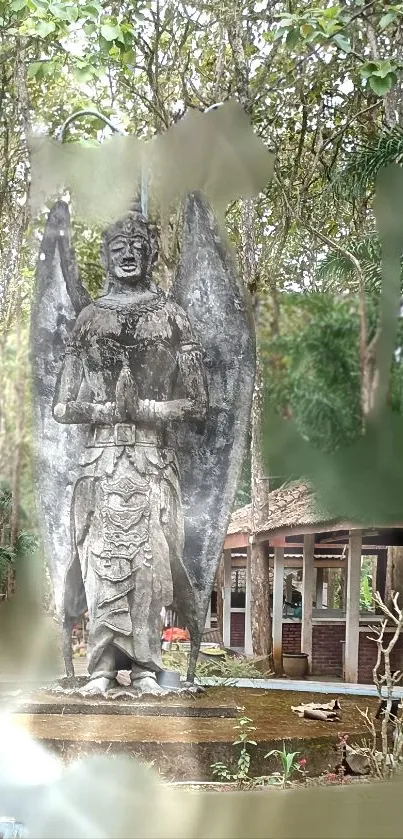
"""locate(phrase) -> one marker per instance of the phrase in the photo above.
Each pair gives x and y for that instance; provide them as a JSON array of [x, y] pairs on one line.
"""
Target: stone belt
[[125, 434]]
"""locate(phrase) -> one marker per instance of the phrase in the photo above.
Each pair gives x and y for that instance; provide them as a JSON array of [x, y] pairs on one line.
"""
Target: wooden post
[[308, 576], [288, 588], [277, 620], [319, 588], [248, 605], [381, 575], [325, 587], [373, 572], [330, 588], [353, 606], [343, 587], [226, 632], [220, 596]]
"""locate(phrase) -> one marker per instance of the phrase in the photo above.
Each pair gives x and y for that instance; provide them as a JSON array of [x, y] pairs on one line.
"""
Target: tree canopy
[[322, 84]]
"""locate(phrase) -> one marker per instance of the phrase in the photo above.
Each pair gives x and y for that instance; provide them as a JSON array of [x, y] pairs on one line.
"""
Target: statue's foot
[[97, 687], [148, 684]]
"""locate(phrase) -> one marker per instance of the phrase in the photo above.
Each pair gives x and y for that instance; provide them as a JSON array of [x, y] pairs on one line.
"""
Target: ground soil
[[270, 711]]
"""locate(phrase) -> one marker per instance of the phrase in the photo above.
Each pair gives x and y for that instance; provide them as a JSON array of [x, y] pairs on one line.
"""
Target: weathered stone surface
[[58, 300], [208, 287], [142, 404], [142, 709]]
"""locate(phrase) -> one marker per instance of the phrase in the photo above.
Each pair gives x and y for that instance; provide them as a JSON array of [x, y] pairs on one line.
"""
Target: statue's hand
[[126, 397]]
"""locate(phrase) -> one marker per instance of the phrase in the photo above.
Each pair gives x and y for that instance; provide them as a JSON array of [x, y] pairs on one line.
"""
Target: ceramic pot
[[295, 665], [169, 679]]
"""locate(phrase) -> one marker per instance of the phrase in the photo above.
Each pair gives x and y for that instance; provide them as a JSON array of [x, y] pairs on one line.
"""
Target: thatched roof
[[289, 507], [240, 521]]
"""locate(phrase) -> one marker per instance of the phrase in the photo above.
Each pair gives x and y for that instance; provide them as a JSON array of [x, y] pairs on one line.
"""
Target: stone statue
[[131, 370], [142, 407]]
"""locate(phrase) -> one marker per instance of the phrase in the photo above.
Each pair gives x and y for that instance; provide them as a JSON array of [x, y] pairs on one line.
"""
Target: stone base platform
[[171, 733], [183, 735], [67, 705]]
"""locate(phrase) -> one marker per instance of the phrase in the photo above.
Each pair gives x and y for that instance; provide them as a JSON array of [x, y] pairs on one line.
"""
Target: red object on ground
[[173, 633]]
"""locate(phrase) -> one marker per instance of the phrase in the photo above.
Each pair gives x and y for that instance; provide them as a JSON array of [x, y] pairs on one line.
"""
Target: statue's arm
[[67, 407], [194, 405]]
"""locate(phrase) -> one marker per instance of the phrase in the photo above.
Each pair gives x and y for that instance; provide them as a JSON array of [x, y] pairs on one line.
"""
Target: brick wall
[[237, 634], [327, 655], [367, 656], [327, 650], [291, 637], [326, 646]]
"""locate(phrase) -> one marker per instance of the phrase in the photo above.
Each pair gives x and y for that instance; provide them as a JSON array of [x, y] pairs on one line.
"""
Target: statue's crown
[[133, 223]]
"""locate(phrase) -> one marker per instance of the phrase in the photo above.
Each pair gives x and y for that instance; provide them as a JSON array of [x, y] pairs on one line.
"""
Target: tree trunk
[[9, 262], [260, 605], [17, 444], [394, 575], [260, 585]]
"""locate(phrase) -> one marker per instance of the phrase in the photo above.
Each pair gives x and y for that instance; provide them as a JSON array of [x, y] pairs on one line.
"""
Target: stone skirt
[[128, 530]]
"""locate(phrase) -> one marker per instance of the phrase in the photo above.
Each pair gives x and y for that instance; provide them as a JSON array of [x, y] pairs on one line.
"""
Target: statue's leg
[[104, 677]]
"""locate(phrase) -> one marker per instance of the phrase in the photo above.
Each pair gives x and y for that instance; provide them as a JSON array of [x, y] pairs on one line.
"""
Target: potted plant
[[295, 665]]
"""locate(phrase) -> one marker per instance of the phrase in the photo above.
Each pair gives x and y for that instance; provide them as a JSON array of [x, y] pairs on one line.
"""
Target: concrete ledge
[[306, 686]]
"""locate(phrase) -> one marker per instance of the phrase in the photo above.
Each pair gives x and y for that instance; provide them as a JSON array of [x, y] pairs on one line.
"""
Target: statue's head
[[130, 249]]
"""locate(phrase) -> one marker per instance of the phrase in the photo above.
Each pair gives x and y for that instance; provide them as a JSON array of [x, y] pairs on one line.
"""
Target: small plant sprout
[[302, 762], [289, 766], [241, 776]]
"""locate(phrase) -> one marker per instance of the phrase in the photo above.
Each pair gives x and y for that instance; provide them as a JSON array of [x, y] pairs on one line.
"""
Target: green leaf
[[18, 5], [387, 19], [92, 10], [83, 74], [48, 68], [280, 32], [128, 57], [44, 28], [331, 12], [111, 33], [35, 69], [384, 68], [381, 84], [287, 19], [307, 31], [65, 13], [292, 37], [368, 69], [99, 72], [342, 42]]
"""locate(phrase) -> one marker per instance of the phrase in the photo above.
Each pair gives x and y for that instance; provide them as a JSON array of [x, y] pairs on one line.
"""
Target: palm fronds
[[335, 269], [359, 174]]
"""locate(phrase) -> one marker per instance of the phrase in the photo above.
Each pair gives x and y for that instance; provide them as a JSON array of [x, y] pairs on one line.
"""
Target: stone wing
[[208, 288], [59, 297]]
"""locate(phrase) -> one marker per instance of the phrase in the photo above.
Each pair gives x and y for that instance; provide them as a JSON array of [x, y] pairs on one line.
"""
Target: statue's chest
[[146, 343]]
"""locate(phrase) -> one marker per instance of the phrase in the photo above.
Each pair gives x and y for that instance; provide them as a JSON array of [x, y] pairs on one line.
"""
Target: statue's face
[[129, 256]]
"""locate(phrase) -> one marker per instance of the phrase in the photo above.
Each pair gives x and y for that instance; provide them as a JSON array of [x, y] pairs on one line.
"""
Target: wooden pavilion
[[297, 535]]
